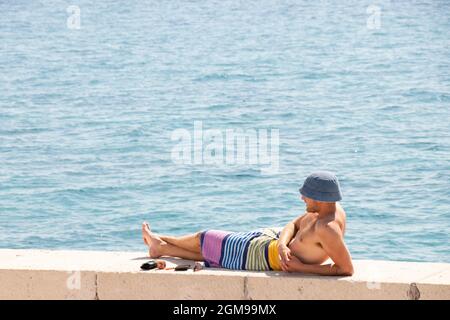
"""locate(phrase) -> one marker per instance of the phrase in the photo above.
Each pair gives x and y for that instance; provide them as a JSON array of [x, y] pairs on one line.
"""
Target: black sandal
[[149, 265]]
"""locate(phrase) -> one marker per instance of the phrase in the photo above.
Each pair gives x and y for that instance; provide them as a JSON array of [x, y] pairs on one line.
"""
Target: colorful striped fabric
[[254, 250]]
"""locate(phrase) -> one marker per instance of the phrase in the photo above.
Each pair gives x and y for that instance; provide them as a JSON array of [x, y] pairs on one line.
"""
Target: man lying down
[[303, 245]]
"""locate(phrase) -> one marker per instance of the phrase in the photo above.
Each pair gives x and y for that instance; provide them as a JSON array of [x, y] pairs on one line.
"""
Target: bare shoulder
[[324, 227], [328, 231], [333, 225]]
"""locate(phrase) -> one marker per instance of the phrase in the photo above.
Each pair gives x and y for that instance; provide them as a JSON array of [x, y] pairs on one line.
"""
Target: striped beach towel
[[255, 250]]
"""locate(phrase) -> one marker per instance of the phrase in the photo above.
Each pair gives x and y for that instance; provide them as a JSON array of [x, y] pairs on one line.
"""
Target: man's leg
[[167, 249], [189, 242], [159, 247]]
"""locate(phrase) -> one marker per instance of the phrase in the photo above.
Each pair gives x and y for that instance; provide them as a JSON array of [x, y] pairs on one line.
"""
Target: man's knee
[[198, 236]]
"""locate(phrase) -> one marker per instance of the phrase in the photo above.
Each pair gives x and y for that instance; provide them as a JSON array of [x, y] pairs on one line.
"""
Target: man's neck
[[326, 209]]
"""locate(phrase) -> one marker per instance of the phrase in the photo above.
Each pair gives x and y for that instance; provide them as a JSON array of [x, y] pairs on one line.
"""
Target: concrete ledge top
[[110, 261], [116, 268]]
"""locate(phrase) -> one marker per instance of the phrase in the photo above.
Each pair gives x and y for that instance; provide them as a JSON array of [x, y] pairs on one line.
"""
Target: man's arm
[[333, 243], [289, 231], [286, 236], [295, 265]]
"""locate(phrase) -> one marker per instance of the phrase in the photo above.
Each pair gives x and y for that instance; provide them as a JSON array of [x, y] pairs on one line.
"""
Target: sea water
[[91, 93]]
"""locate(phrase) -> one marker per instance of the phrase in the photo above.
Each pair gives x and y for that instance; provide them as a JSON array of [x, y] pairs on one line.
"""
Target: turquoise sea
[[87, 114]]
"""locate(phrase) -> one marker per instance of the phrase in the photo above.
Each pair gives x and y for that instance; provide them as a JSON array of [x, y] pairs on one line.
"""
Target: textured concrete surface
[[46, 274]]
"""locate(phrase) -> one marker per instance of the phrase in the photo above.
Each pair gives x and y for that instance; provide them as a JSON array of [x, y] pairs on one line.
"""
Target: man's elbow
[[347, 271]]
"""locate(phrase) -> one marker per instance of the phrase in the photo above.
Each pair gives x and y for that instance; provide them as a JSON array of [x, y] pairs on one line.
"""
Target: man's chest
[[307, 231]]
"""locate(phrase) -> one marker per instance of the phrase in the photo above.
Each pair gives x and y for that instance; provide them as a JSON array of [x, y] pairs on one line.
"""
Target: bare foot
[[152, 240], [144, 234]]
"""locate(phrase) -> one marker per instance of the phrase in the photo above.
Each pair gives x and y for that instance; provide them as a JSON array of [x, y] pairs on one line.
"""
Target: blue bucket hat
[[322, 186]]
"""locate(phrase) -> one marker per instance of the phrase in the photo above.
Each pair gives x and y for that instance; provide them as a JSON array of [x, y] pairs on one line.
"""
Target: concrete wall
[[44, 274]]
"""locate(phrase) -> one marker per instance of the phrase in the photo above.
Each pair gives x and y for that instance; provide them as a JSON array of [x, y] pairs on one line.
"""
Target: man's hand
[[293, 265], [285, 254]]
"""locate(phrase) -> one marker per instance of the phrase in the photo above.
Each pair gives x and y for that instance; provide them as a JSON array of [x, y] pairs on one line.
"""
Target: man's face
[[311, 205]]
